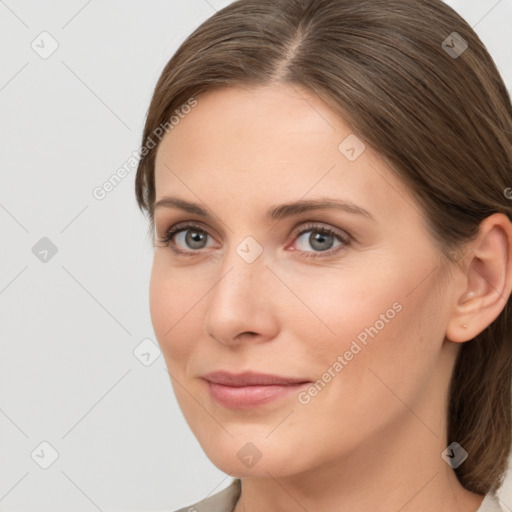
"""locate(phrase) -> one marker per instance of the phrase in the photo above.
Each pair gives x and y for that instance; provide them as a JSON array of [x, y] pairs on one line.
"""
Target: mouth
[[249, 389]]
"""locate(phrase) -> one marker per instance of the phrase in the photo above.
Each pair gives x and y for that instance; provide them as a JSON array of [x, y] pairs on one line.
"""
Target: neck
[[382, 474]]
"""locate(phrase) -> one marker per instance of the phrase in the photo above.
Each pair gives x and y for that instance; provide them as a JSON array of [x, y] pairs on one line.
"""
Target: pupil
[[195, 239], [318, 240]]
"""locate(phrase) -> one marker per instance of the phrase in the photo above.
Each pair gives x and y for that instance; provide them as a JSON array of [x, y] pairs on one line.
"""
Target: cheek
[[343, 302], [375, 320], [172, 297]]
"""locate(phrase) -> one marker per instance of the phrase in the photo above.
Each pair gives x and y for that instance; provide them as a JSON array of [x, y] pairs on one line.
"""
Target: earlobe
[[488, 280]]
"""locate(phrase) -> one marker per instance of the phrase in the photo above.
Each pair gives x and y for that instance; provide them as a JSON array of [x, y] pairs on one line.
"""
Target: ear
[[487, 282]]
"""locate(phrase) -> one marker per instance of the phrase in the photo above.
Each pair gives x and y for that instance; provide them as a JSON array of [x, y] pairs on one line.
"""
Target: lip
[[249, 389]]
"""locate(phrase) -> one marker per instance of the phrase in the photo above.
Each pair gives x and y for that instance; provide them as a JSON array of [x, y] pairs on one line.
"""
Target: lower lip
[[246, 397]]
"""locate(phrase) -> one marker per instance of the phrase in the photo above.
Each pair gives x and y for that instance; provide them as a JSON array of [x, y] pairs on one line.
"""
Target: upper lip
[[251, 379]]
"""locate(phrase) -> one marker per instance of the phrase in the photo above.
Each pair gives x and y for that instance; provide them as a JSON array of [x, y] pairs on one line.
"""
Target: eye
[[316, 239], [192, 238], [313, 240], [186, 239]]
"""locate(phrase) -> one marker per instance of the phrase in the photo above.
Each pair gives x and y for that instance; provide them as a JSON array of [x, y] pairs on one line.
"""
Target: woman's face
[[346, 304]]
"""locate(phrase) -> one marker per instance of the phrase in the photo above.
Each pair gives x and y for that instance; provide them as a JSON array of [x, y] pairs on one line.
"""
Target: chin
[[240, 457]]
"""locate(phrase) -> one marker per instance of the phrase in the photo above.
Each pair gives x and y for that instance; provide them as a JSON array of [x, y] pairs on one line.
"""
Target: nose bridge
[[240, 301], [239, 277]]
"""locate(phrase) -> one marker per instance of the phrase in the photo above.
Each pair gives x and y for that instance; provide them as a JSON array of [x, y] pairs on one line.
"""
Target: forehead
[[279, 143], [240, 121]]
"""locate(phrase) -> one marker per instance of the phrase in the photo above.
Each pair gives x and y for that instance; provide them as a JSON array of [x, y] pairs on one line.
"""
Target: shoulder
[[490, 503], [223, 501]]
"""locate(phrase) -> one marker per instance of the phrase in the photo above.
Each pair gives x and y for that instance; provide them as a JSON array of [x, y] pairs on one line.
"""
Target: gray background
[[70, 324]]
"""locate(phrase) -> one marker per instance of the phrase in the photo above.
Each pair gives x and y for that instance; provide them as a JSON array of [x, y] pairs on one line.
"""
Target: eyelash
[[324, 230]]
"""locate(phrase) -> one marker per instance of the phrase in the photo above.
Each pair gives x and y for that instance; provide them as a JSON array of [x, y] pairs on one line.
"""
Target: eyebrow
[[277, 212]]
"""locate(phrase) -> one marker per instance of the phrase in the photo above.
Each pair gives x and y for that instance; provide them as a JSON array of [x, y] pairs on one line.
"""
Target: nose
[[240, 306]]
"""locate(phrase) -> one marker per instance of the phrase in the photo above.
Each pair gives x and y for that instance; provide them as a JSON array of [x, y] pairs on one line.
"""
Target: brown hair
[[443, 122]]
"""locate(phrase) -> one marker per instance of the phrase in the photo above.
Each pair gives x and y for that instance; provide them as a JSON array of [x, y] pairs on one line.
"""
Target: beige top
[[225, 501]]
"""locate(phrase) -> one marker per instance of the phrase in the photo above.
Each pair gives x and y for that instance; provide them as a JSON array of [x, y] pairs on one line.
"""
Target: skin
[[372, 438]]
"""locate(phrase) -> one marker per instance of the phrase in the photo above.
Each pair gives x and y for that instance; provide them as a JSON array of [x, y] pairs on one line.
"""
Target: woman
[[328, 187]]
